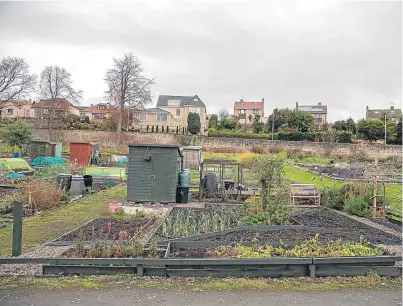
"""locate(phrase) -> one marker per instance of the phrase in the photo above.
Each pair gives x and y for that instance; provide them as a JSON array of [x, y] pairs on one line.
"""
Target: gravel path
[[33, 269], [373, 224]]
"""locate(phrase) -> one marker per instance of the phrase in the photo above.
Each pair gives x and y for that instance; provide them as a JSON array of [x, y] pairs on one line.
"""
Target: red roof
[[17, 103], [248, 105], [61, 103], [96, 110]]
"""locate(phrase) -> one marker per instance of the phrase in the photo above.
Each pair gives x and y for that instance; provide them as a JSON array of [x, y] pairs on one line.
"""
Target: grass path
[[391, 190], [51, 225]]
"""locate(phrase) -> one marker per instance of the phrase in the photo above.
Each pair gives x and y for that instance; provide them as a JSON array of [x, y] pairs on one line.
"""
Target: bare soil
[[326, 218], [98, 229]]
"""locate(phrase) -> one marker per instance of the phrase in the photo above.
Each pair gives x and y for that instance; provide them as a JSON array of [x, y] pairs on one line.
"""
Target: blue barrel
[[184, 178], [16, 154]]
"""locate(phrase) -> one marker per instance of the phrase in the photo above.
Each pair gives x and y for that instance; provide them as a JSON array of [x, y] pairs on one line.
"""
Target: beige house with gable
[[173, 111], [16, 109]]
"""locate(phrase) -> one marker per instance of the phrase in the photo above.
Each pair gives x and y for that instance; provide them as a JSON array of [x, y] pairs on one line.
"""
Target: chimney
[[241, 100], [392, 107], [319, 103], [263, 100], [367, 108], [92, 105], [296, 105]]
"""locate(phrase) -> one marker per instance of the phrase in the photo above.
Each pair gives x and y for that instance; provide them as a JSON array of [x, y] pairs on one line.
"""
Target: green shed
[[41, 148], [153, 173]]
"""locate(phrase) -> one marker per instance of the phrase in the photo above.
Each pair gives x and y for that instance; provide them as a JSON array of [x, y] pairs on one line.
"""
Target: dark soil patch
[[291, 236], [325, 218], [98, 229]]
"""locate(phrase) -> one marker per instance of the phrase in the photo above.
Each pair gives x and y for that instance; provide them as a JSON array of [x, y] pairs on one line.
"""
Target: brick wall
[[108, 139]]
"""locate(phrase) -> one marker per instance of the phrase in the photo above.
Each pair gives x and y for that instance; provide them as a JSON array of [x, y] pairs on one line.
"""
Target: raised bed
[[231, 211], [98, 229], [269, 267], [329, 219]]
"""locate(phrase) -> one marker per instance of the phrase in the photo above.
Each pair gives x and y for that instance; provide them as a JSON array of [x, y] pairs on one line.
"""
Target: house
[[155, 117], [392, 113], [319, 111], [16, 109], [61, 107], [245, 112], [173, 111], [180, 107], [98, 112]]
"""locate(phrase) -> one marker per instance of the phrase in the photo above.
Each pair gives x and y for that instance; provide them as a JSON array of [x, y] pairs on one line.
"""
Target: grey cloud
[[346, 54]]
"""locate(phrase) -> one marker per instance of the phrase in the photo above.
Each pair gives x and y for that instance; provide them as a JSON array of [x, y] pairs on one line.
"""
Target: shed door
[[162, 178]]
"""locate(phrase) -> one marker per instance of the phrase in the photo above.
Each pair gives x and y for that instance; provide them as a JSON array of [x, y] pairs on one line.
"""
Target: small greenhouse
[[14, 165]]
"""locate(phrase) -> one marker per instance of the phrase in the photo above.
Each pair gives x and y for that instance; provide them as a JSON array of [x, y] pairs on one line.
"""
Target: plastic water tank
[[184, 178], [64, 181], [77, 185]]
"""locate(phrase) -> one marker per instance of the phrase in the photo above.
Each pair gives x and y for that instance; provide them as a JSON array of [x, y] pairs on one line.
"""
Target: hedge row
[[341, 137]]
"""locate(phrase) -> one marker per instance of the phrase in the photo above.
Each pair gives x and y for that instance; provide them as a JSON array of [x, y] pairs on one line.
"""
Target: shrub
[[333, 196], [358, 206], [246, 159], [259, 149], [41, 195], [361, 155], [194, 123], [274, 149]]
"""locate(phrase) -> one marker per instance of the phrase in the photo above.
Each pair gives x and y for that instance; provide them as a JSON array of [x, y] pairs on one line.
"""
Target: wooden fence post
[[17, 227]]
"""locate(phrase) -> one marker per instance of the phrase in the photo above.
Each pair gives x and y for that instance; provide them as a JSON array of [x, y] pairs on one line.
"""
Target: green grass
[[394, 191], [128, 282], [53, 224]]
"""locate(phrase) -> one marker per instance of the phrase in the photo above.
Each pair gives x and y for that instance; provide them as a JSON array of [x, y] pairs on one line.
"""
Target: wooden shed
[[192, 157], [41, 148], [82, 153], [153, 173]]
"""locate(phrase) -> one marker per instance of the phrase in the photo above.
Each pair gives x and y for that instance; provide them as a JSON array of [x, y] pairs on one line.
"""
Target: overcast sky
[[347, 54]]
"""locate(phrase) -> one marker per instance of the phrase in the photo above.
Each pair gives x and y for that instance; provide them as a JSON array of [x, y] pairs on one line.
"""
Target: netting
[[42, 161]]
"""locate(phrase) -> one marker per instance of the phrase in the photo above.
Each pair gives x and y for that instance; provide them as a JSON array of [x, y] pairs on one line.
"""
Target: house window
[[178, 112], [26, 113], [142, 117], [9, 111], [242, 121], [174, 102], [98, 116], [162, 117], [194, 110], [255, 111], [241, 111]]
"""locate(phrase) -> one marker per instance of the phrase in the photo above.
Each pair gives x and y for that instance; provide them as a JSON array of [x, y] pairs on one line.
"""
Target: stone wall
[[108, 139], [105, 138]]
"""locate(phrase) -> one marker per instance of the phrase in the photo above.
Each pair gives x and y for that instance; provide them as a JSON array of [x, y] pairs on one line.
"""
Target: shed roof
[[158, 146]]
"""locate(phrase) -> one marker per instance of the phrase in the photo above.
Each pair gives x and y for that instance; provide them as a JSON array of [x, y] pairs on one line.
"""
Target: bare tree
[[15, 79], [223, 113], [56, 83], [128, 88]]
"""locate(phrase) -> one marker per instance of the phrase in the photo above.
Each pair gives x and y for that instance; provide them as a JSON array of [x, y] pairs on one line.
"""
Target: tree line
[[290, 124], [127, 86]]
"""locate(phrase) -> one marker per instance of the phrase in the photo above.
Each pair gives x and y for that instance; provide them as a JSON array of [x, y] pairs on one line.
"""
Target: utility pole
[[385, 129], [272, 127]]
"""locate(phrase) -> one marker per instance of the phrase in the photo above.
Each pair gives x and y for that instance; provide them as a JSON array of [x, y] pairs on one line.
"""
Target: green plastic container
[[184, 178]]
